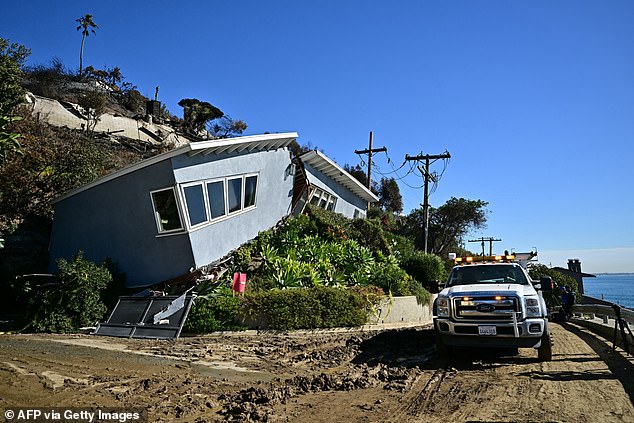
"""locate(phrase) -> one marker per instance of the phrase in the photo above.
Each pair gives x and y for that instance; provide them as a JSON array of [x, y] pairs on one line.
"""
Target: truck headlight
[[442, 306], [532, 307]]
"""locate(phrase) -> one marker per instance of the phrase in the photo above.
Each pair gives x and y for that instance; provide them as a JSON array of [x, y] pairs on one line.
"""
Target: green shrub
[[242, 258], [402, 247], [425, 268], [217, 313], [371, 233], [392, 279], [317, 307], [75, 303]]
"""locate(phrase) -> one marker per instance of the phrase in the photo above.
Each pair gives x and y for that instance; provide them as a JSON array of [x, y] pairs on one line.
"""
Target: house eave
[[331, 169]]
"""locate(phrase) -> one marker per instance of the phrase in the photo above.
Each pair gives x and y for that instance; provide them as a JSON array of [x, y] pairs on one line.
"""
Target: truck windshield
[[467, 275]]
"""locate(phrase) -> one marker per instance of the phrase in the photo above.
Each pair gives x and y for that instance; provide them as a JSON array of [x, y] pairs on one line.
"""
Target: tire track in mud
[[420, 400]]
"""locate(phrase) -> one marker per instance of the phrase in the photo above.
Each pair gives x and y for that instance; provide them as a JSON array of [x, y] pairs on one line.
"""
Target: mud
[[320, 376]]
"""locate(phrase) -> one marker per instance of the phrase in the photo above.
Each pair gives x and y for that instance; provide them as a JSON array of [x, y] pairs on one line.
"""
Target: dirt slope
[[322, 376]]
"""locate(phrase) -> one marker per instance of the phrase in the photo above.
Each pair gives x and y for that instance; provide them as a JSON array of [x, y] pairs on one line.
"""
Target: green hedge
[[316, 307], [215, 314]]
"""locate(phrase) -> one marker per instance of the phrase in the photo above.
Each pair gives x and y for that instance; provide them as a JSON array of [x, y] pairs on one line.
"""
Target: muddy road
[[321, 376]]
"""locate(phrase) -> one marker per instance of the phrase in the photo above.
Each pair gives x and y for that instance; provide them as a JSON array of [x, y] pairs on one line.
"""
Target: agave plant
[[269, 256], [312, 277], [210, 289], [289, 273]]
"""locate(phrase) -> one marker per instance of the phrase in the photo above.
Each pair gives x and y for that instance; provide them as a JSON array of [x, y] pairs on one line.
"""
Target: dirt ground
[[321, 376]]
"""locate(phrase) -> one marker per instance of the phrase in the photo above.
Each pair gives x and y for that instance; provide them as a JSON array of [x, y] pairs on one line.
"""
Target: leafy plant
[[12, 58], [316, 307], [425, 268], [8, 141], [94, 104], [73, 303], [215, 313]]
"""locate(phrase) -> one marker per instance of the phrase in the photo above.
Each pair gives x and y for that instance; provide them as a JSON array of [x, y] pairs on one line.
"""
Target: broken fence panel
[[136, 317]]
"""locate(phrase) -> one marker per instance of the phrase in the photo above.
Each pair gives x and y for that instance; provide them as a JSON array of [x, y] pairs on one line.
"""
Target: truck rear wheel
[[545, 350]]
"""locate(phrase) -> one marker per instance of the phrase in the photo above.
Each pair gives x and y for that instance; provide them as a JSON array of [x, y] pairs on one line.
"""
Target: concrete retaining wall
[[395, 311], [54, 113], [404, 310]]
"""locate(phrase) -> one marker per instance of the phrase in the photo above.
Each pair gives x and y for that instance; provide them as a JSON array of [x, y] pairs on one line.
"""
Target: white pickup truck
[[493, 304]]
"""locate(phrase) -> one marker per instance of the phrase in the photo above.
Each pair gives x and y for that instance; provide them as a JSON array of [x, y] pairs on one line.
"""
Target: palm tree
[[86, 24]]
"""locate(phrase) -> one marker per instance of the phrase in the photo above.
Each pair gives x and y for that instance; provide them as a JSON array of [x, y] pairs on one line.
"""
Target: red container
[[239, 282]]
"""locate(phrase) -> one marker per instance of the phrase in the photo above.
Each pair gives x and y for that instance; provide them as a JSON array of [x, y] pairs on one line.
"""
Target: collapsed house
[[181, 210]]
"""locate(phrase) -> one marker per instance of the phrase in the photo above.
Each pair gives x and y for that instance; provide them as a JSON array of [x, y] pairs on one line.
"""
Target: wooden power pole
[[482, 240], [369, 152], [427, 176]]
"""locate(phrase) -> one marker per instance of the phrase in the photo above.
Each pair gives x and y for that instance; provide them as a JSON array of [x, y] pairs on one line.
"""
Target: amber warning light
[[484, 259]]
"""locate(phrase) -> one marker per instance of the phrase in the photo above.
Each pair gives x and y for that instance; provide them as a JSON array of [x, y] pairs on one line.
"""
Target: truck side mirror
[[434, 287], [546, 284]]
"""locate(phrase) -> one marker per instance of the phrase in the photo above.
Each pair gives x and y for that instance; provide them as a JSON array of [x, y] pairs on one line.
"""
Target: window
[[322, 199], [195, 202], [358, 214], [204, 202], [250, 187], [234, 194], [166, 210], [216, 195]]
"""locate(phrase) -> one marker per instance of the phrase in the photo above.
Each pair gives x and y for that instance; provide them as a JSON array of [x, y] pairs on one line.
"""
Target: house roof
[[323, 164], [227, 145]]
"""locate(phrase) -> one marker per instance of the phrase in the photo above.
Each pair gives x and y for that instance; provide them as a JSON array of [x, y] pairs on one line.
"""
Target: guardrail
[[603, 311], [621, 334]]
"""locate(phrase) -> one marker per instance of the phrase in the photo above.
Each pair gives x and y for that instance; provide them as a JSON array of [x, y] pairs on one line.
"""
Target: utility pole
[[369, 152], [482, 240], [427, 176]]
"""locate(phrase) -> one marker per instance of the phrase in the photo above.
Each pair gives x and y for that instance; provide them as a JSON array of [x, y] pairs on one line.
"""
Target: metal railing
[[623, 318], [603, 311]]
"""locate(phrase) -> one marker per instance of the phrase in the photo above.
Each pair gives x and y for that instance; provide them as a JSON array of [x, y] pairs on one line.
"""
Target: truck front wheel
[[442, 349], [545, 351]]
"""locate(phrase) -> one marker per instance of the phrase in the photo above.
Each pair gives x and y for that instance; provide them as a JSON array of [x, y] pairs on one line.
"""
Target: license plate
[[487, 330]]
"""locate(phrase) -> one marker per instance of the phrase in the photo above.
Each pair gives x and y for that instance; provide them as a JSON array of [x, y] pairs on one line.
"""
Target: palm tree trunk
[[81, 55]]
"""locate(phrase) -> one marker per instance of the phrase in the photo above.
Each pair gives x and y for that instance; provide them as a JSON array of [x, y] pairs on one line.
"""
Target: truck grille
[[499, 308]]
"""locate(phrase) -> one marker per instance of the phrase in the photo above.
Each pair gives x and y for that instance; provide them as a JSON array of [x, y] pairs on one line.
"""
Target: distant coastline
[[614, 274]]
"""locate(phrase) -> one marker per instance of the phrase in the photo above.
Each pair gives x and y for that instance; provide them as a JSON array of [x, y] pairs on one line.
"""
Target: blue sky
[[533, 99]]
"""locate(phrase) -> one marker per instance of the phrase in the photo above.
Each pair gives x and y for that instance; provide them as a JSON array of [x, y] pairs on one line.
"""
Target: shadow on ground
[[620, 367], [411, 347]]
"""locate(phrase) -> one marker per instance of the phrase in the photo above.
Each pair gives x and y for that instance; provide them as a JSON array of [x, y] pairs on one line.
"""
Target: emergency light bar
[[471, 259]]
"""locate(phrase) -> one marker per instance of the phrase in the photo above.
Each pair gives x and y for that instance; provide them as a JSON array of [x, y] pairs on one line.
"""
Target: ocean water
[[617, 288]]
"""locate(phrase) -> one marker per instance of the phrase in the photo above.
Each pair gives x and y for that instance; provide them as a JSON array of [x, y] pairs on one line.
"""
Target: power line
[[482, 240], [429, 159], [369, 152]]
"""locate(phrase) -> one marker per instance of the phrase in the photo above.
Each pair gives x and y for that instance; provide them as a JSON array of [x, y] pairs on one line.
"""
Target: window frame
[[241, 205], [177, 202], [208, 182], [322, 195], [186, 208], [244, 191], [204, 183]]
